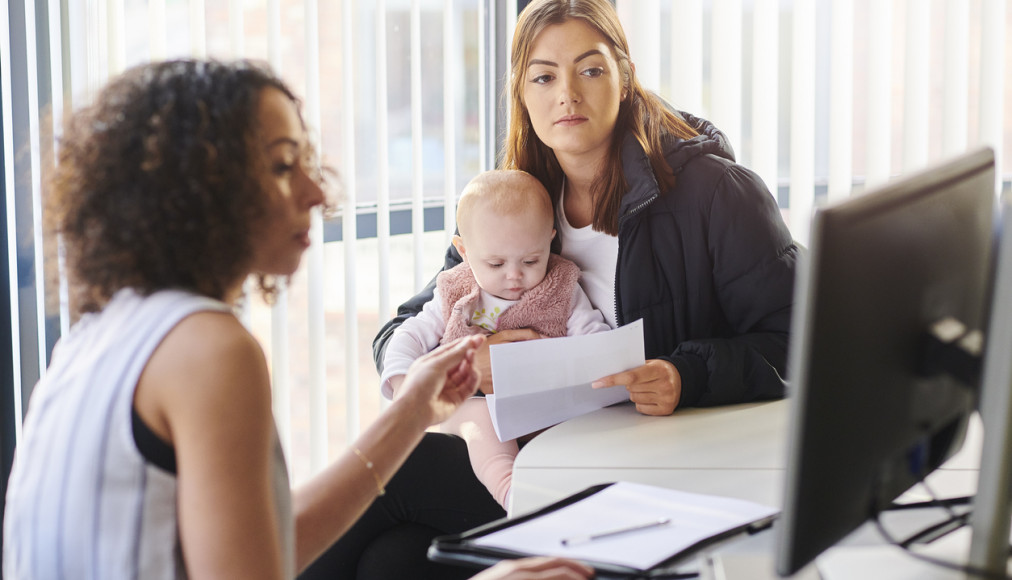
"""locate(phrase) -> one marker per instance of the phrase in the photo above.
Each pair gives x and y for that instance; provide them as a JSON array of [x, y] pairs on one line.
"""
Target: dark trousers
[[434, 493]]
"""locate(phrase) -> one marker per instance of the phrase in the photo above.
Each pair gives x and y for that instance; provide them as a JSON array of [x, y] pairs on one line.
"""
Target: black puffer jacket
[[708, 266]]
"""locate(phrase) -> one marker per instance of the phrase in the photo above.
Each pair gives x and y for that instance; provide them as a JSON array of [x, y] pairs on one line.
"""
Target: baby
[[509, 279]]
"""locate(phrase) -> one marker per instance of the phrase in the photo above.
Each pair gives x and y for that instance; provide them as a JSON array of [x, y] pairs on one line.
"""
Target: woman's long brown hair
[[641, 113]]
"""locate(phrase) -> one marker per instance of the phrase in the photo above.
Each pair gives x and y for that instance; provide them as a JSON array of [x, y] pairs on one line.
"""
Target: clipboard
[[464, 549]]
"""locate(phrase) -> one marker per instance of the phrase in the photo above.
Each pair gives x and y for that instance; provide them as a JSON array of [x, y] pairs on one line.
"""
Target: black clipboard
[[461, 548]]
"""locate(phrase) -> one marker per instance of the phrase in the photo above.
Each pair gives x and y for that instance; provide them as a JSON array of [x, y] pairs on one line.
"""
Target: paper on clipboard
[[689, 519], [540, 383]]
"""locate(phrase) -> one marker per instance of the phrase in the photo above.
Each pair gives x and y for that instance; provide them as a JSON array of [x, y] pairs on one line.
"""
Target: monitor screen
[[865, 422]]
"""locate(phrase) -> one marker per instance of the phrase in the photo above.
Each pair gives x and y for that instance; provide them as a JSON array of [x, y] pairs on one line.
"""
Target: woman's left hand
[[535, 568], [655, 387]]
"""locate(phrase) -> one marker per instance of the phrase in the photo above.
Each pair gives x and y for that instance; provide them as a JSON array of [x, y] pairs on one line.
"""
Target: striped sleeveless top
[[82, 502]]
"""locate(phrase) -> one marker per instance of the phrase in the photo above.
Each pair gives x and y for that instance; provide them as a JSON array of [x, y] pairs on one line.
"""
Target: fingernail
[[597, 385]]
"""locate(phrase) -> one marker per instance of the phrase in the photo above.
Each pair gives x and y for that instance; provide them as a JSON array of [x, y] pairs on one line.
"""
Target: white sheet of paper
[[540, 383], [691, 518]]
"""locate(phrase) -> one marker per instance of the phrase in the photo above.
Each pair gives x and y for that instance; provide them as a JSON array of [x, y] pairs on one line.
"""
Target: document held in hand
[[540, 383]]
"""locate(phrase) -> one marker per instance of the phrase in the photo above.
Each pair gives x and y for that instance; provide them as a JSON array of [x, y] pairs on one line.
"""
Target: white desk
[[736, 451]]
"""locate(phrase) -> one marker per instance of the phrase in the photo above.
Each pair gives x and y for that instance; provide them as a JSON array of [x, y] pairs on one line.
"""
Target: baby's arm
[[413, 338], [491, 459], [584, 318]]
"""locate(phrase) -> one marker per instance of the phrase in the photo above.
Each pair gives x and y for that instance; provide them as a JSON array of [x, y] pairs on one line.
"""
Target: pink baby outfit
[[557, 306], [544, 308]]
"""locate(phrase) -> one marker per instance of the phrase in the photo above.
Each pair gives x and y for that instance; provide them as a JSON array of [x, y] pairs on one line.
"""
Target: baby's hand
[[483, 361]]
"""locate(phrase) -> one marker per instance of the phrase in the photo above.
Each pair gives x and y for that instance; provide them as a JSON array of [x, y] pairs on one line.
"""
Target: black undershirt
[[155, 450]]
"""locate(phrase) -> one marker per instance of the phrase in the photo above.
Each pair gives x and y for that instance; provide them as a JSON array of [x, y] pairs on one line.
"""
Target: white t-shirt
[[596, 253]]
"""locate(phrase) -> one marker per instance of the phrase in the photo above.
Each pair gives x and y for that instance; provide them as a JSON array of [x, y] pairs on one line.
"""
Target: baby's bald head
[[502, 193], [506, 228]]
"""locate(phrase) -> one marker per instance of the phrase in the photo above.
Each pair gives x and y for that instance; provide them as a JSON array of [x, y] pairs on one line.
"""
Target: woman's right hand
[[537, 569], [440, 381], [483, 360]]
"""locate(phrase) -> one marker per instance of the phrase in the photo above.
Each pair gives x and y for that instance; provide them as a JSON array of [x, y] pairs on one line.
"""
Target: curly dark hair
[[157, 184]]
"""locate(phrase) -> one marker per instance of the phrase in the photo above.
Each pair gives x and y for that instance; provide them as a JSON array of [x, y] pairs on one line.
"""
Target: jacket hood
[[710, 140], [639, 175]]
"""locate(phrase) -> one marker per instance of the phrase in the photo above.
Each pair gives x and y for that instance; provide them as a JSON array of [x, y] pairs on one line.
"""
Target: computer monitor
[[866, 421]]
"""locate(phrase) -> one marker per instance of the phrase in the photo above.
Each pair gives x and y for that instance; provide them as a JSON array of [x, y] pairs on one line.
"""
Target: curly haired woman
[[149, 447]]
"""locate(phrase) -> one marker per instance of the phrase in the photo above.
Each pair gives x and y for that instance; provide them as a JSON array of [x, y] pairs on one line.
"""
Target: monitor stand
[[989, 549], [863, 554]]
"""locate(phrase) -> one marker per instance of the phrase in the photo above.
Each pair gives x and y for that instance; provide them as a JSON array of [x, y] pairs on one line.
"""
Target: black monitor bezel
[[836, 476]]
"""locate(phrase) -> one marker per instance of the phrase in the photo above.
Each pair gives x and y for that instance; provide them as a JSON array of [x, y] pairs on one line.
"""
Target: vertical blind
[[821, 98]]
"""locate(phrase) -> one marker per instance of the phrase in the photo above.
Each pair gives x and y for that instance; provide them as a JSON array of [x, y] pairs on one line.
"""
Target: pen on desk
[[615, 532]]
